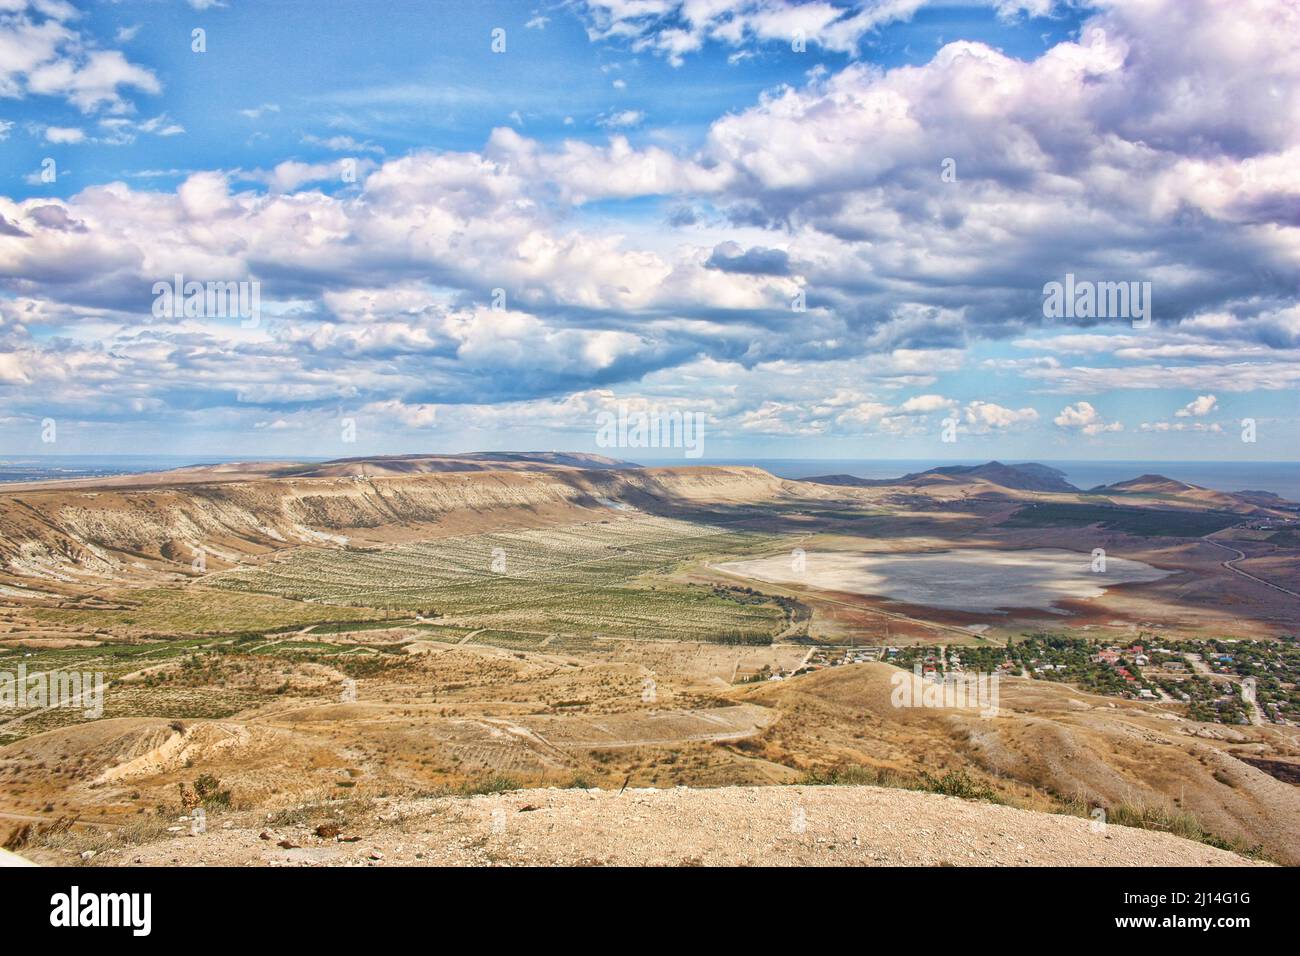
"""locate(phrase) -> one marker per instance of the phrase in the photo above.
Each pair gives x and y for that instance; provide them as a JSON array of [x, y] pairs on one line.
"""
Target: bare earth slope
[[736, 826], [1049, 736], [51, 532]]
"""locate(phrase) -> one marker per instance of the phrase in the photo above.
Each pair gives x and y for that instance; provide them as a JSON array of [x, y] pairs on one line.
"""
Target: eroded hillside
[[62, 534]]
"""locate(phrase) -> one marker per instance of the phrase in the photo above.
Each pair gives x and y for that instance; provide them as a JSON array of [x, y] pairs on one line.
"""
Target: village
[[1227, 681]]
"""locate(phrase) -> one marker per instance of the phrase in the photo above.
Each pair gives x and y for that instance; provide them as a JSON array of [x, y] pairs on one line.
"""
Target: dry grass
[[1165, 819], [62, 836]]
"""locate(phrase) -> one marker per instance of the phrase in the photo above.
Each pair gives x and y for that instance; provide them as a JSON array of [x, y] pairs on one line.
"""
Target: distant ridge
[[377, 465], [1171, 489], [1153, 484], [362, 466], [1029, 476], [1032, 476], [571, 459]]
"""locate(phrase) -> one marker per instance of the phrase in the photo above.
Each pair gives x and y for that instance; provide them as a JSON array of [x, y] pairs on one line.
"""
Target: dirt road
[[1241, 556]]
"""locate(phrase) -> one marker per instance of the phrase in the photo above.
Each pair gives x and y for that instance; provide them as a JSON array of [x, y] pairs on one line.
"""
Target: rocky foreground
[[738, 826]]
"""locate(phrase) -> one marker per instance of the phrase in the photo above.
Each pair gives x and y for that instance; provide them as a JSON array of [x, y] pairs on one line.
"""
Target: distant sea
[[43, 467], [1280, 477]]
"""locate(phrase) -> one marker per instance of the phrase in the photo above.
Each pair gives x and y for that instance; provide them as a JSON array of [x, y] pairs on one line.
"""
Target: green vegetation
[[1146, 522], [953, 783], [194, 610], [796, 611], [440, 632], [509, 640], [958, 784], [357, 666], [493, 783], [1165, 820], [345, 627], [208, 678], [1053, 657], [207, 789], [1274, 666], [603, 577]]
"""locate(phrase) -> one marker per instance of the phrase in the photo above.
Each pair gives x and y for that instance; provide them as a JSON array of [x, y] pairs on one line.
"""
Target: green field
[[195, 610], [1145, 522], [601, 577]]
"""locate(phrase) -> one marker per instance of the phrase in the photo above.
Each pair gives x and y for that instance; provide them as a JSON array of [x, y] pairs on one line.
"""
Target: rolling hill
[[1024, 477]]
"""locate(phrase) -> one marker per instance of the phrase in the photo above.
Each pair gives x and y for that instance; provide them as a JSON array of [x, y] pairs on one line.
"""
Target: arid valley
[[622, 443], [299, 657]]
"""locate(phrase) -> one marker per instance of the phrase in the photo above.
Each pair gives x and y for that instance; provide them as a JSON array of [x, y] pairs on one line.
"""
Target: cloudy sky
[[826, 227]]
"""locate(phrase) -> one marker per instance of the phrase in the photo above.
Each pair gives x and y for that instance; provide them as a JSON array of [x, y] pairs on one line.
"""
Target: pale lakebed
[[980, 580]]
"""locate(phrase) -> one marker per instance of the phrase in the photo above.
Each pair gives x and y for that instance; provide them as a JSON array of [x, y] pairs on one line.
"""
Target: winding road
[[1241, 556]]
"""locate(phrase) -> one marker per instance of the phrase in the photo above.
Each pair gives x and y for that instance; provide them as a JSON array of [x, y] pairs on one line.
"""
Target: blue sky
[[456, 248]]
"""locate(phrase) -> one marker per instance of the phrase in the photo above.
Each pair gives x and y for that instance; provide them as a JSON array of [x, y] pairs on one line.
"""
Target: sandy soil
[[740, 826]]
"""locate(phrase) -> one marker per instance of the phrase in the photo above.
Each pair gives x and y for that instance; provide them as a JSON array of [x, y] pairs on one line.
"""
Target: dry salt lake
[[978, 580]]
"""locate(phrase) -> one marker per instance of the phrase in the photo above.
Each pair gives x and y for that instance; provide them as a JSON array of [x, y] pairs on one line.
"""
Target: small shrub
[[958, 784], [493, 783], [208, 790]]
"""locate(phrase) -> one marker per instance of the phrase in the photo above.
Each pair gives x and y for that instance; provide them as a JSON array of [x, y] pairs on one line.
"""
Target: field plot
[[114, 662], [601, 577], [509, 640], [189, 610]]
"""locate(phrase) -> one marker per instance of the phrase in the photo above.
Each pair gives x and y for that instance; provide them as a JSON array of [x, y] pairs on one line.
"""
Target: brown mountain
[[375, 465], [1167, 489], [1029, 476]]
